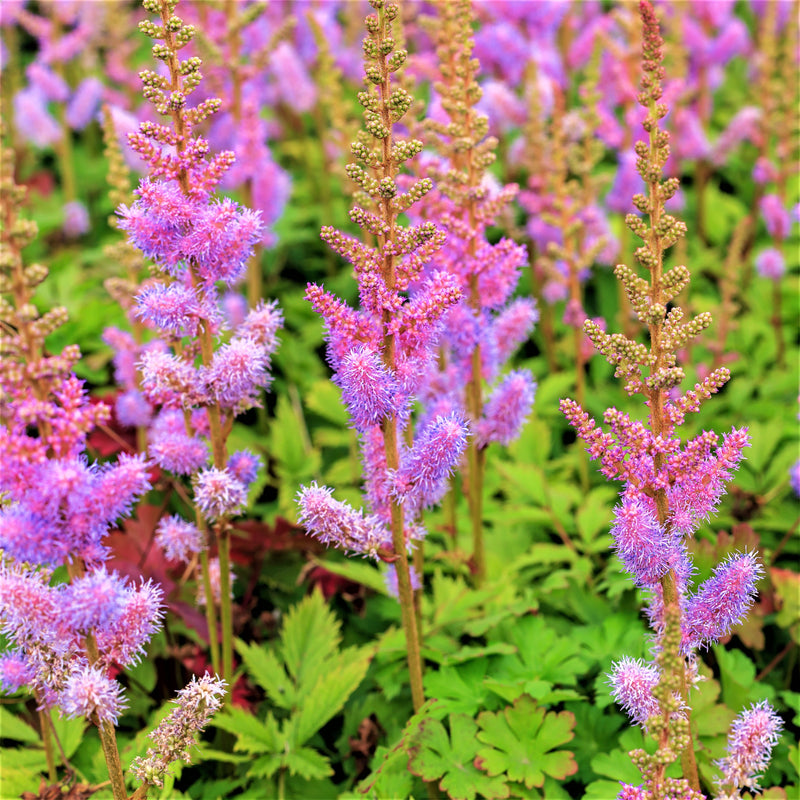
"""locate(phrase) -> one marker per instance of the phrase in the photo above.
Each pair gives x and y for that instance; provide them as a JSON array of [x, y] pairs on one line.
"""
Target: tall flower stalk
[[197, 242], [670, 485], [381, 351], [486, 327]]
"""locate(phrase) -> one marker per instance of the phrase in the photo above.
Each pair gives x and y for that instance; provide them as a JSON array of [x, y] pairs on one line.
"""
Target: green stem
[[108, 738], [211, 612], [47, 744], [226, 608]]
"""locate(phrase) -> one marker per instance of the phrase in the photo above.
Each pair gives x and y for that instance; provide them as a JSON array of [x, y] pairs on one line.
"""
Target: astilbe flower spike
[[484, 329], [197, 702], [671, 486], [381, 351], [754, 733], [198, 242], [64, 637]]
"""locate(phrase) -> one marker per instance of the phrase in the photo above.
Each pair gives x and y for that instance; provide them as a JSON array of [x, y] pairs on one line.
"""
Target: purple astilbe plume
[[337, 523], [380, 351], [480, 333], [178, 538], [671, 485], [50, 105], [174, 737], [198, 242], [722, 601], [632, 683], [754, 733]]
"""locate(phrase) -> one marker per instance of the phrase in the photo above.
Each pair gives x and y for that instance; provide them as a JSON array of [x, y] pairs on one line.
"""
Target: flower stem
[[226, 608], [211, 612]]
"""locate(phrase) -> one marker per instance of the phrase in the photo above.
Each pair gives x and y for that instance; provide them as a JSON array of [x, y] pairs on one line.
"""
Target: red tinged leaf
[[112, 437], [255, 539]]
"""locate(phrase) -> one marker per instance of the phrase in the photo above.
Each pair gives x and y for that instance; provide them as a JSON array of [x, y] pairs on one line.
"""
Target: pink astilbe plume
[[174, 737], [754, 733], [632, 682], [380, 352], [671, 485]]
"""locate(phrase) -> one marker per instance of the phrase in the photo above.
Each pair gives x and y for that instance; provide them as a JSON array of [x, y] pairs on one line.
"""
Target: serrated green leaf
[[521, 741], [266, 766], [325, 398], [433, 755], [327, 697], [617, 765], [253, 735], [595, 513], [737, 677], [390, 777], [267, 671], [526, 480], [310, 637], [461, 689], [307, 763]]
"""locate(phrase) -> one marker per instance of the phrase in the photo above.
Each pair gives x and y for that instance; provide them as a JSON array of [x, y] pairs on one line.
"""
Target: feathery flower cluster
[[197, 702], [197, 242], [51, 104], [380, 352], [485, 328], [65, 637], [754, 733], [670, 485]]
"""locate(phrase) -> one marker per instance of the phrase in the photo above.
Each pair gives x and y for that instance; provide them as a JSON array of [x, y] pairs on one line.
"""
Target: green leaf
[[594, 514], [617, 765], [460, 689], [310, 636], [357, 571], [342, 677], [521, 740], [390, 777], [434, 755], [13, 727], [253, 736], [307, 763], [267, 671], [325, 399], [737, 675], [70, 732]]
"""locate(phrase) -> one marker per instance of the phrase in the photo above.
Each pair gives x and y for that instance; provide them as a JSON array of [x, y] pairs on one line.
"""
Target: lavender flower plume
[[218, 493], [640, 541], [197, 702], [178, 538], [754, 733], [507, 408], [421, 478], [90, 693], [369, 390], [337, 523], [632, 682], [722, 601]]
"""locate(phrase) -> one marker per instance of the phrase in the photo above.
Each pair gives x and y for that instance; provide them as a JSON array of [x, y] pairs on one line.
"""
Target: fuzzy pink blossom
[[337, 523], [91, 693], [632, 683], [754, 733]]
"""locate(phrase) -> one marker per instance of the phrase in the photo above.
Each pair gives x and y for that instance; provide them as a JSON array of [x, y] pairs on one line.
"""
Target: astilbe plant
[[380, 352], [483, 330], [670, 486], [67, 639], [197, 241]]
